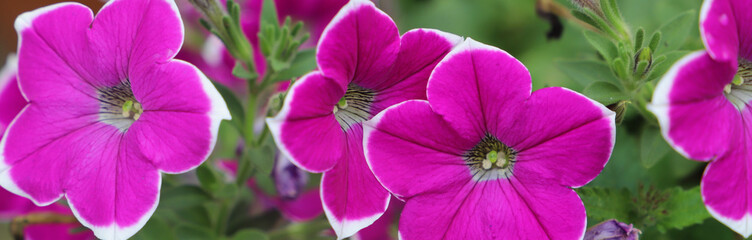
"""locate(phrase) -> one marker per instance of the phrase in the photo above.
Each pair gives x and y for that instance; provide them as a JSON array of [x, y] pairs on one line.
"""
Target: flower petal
[[40, 144], [381, 229], [306, 118], [130, 34], [497, 209], [182, 113], [474, 85], [115, 189], [55, 63], [420, 51], [11, 99], [360, 45], [58, 231], [353, 198], [412, 150], [719, 29], [688, 99], [303, 208], [727, 184], [742, 10], [567, 137]]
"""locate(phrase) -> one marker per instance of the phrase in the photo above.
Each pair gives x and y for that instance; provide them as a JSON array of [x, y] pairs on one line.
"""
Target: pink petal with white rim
[[568, 137], [420, 52], [719, 29], [306, 118], [727, 189], [425, 154], [473, 108], [497, 209], [116, 188], [11, 99], [360, 45], [353, 198], [186, 122], [689, 98], [132, 34]]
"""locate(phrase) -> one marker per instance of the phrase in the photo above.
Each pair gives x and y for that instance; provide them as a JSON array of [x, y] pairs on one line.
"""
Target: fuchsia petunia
[[109, 111], [484, 158], [365, 67], [11, 100], [703, 107]]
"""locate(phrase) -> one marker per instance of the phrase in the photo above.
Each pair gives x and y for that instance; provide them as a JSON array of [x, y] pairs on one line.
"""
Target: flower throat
[[118, 106], [739, 91], [354, 107], [490, 159]]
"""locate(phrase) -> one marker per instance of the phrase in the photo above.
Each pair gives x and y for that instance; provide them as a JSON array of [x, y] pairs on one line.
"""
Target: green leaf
[[639, 38], [605, 47], [304, 62], [194, 232], [606, 203], [233, 104], [198, 215], [250, 234], [155, 229], [682, 209], [269, 13], [241, 72], [675, 31], [604, 92], [586, 72], [652, 146], [208, 178], [184, 196]]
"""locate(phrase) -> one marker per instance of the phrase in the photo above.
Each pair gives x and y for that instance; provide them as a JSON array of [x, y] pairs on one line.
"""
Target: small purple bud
[[288, 178], [612, 230]]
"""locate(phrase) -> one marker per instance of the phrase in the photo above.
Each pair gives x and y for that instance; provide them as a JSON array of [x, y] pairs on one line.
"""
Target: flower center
[[491, 159], [118, 106], [739, 91], [354, 107]]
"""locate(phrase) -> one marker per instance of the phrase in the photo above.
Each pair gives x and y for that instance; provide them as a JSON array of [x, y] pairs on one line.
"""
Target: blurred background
[[514, 26]]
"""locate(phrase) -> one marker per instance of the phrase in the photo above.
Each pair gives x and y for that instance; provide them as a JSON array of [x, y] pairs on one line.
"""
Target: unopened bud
[[593, 5], [288, 178], [612, 230]]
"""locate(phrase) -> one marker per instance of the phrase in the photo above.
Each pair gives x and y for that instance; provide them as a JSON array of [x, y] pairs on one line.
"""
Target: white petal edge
[[452, 39], [9, 70], [742, 226], [607, 113], [212, 51], [114, 231], [350, 7], [470, 45], [347, 228], [660, 105], [175, 10], [217, 113], [275, 123], [369, 127]]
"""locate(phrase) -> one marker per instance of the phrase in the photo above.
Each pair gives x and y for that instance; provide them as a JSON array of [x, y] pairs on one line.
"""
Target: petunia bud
[[612, 230], [593, 5], [288, 178], [620, 108]]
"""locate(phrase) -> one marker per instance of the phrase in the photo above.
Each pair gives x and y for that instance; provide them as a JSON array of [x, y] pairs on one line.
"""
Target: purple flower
[[702, 105], [109, 111], [11, 100], [365, 67], [612, 230], [484, 158]]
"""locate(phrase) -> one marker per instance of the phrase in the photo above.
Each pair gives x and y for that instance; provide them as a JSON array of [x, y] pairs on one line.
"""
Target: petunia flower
[[365, 67], [304, 206], [11, 100], [109, 111], [703, 107], [12, 206], [484, 158]]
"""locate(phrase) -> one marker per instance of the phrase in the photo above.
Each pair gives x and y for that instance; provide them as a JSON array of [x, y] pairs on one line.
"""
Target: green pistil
[[342, 102], [492, 156], [132, 109]]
